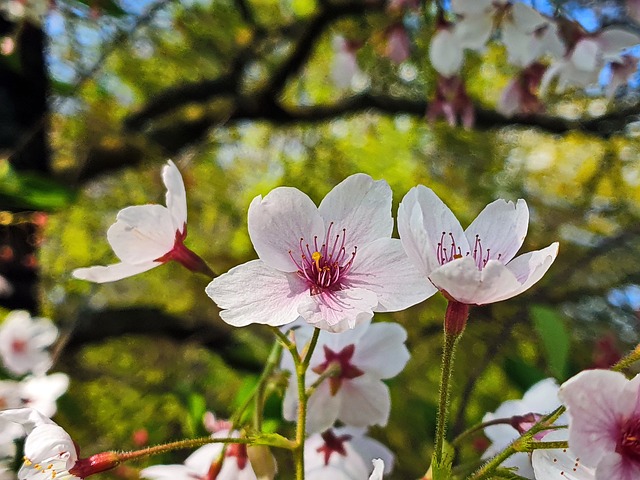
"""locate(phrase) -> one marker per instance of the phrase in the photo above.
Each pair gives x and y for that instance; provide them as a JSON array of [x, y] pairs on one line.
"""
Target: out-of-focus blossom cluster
[[24, 382]]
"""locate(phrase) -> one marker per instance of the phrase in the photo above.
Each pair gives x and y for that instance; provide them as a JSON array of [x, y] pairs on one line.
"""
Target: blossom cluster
[[24, 382]]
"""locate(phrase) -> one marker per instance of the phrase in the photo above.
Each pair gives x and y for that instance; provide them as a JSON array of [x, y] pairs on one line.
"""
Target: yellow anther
[[316, 256], [27, 462]]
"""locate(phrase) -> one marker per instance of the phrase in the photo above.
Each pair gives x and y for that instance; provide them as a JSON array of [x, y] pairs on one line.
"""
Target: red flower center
[[238, 450], [324, 266], [332, 444], [447, 251], [18, 345], [629, 442], [342, 362]]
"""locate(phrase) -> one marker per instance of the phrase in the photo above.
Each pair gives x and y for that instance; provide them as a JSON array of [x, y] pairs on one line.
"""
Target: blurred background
[[247, 95]]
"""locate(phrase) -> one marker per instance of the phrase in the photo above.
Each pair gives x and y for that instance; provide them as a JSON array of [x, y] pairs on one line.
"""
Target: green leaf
[[550, 327], [30, 191], [197, 407]]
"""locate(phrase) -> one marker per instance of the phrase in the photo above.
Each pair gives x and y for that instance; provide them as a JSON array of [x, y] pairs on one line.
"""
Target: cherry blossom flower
[[451, 101], [561, 463], [604, 422], [41, 392], [519, 97], [345, 64], [540, 399], [474, 266], [49, 451], [146, 236], [621, 71], [398, 46], [23, 342], [333, 265], [582, 63], [345, 454], [356, 395], [203, 463]]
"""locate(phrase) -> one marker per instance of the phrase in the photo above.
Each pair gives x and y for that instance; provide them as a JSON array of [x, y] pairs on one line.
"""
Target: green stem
[[631, 358], [261, 388], [450, 341], [547, 445]]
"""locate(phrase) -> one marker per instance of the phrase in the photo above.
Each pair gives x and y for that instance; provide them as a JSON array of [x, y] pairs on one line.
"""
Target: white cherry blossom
[[146, 236], [333, 265], [23, 342], [560, 463], [41, 392], [345, 454], [446, 52], [540, 399], [604, 422], [356, 396], [475, 266], [235, 466]]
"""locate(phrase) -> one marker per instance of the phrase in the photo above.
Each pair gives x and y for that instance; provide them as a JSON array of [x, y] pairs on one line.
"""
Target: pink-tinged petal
[[446, 53], [111, 273], [384, 268], [474, 31], [591, 398], [615, 466], [561, 464], [323, 408], [338, 311], [422, 218], [501, 227], [278, 221], [612, 40], [362, 206], [142, 233], [462, 280], [176, 195], [256, 293], [167, 472], [381, 351], [531, 267], [365, 401]]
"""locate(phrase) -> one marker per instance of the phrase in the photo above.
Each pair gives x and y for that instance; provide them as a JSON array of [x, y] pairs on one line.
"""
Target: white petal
[[615, 466], [612, 40], [381, 351], [519, 45], [365, 401], [473, 31], [323, 408], [47, 441], [278, 221], [338, 311], [256, 293], [42, 392], [290, 401], [422, 219], [591, 398], [446, 53], [586, 55], [559, 463], [530, 267], [360, 205], [176, 195], [111, 273], [384, 268], [462, 280], [368, 448], [542, 397], [378, 468], [166, 472], [525, 18], [142, 233], [501, 227], [470, 7], [27, 417], [201, 459]]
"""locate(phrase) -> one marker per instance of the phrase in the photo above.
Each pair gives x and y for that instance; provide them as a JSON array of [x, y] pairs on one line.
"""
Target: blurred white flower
[[41, 392], [23, 342], [345, 64], [356, 395]]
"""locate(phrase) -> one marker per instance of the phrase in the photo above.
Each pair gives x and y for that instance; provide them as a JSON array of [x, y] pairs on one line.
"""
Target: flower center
[[332, 444], [238, 450], [49, 470], [341, 362], [629, 442], [18, 345], [447, 251], [324, 266]]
